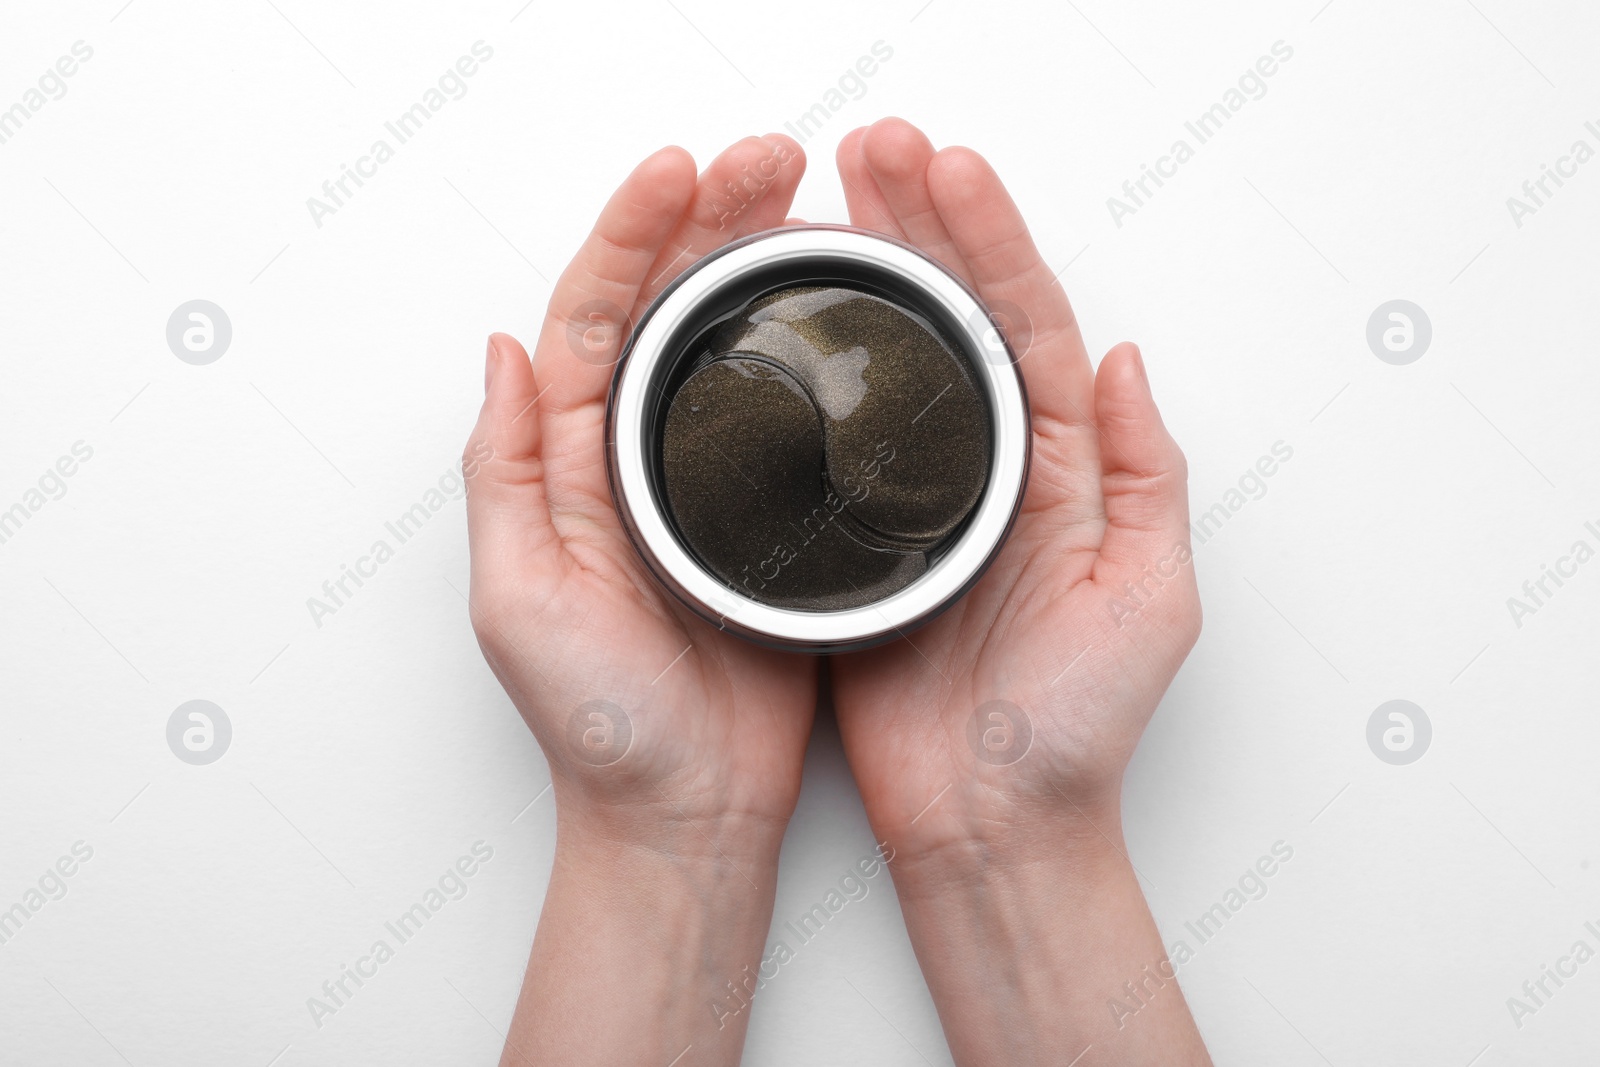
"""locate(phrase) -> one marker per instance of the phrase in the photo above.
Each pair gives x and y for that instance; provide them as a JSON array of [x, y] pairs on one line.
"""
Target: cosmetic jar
[[817, 438]]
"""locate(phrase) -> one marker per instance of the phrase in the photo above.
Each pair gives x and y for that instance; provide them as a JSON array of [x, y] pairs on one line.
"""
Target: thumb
[[508, 517], [1144, 477]]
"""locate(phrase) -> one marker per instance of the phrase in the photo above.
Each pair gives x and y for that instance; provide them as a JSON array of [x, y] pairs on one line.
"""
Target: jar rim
[[643, 510]]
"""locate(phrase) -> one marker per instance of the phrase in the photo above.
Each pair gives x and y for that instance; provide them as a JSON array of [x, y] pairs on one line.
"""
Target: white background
[[369, 753]]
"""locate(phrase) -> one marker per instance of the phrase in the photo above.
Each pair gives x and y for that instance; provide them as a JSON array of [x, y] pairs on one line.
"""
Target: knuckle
[[1180, 465], [491, 614], [1188, 618], [475, 453]]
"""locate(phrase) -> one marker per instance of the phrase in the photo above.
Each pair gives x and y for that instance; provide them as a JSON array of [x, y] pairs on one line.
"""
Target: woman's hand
[[990, 745], [571, 623], [674, 749]]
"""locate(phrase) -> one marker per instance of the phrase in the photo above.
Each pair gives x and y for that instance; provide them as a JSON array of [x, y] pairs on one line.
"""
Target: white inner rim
[[995, 373]]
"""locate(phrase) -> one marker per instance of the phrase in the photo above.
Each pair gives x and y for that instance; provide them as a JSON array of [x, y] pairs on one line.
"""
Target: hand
[[561, 602], [665, 862], [989, 746], [1051, 628]]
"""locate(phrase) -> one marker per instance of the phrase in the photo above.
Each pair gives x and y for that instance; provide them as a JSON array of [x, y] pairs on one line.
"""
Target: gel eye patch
[[825, 442]]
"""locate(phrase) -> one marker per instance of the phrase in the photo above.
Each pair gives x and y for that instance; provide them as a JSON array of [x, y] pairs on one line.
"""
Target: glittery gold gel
[[826, 440]]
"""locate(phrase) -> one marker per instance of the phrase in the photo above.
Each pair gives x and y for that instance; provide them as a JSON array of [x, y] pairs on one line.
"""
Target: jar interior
[[819, 433]]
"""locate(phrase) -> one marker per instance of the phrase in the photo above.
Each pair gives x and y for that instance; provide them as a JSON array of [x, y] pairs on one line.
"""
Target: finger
[[1013, 280], [897, 156], [868, 209], [787, 167], [794, 220], [587, 320], [1143, 472], [508, 517], [751, 185], [730, 197]]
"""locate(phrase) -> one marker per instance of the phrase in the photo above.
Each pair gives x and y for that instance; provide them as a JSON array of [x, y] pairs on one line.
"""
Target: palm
[[1104, 500], [713, 716], [569, 620]]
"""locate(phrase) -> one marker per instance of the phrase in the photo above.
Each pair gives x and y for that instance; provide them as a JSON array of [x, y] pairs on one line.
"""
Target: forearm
[[1040, 947], [637, 945]]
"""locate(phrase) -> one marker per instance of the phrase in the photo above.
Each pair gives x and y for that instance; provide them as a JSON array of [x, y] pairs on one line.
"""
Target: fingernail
[[1138, 366], [490, 362]]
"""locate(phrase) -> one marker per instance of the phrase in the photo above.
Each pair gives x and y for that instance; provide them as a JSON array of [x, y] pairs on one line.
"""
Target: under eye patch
[[826, 441]]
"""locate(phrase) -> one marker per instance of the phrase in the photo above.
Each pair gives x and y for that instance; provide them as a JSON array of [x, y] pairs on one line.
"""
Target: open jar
[[818, 438]]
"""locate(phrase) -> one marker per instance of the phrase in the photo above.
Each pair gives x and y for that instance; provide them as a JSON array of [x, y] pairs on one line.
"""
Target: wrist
[[994, 821], [611, 786], [1064, 899], [977, 858], [663, 916], [630, 836]]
